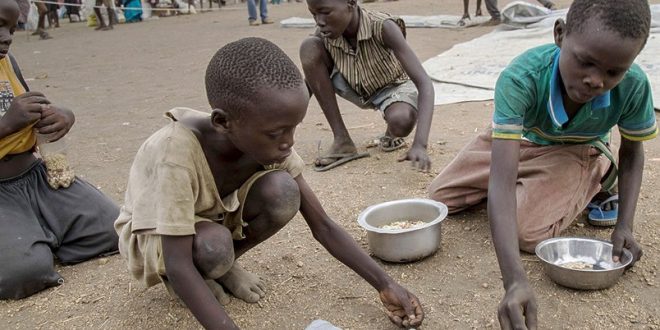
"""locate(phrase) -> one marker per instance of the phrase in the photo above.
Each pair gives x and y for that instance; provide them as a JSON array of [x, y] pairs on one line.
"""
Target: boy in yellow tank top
[[38, 222]]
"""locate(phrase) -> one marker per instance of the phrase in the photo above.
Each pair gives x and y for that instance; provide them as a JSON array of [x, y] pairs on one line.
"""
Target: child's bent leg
[[213, 249], [317, 66], [401, 119], [26, 259], [271, 203], [25, 270], [81, 217], [464, 182], [213, 255], [554, 186]]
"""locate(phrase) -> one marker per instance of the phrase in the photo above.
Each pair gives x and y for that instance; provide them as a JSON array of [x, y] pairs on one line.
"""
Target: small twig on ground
[[351, 297], [287, 280], [362, 126], [70, 319]]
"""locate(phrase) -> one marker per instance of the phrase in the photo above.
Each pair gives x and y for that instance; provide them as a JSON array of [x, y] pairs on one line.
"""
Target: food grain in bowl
[[405, 224]]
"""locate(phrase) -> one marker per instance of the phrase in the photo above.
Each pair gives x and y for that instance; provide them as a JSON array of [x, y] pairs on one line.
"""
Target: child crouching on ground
[[547, 154], [363, 56], [206, 188]]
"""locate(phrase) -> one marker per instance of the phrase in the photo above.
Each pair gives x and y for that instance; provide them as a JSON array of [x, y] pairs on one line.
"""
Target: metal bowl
[[557, 254], [404, 245]]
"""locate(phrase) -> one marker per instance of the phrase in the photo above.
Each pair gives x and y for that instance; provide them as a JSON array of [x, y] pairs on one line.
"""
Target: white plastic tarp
[[479, 62], [436, 21]]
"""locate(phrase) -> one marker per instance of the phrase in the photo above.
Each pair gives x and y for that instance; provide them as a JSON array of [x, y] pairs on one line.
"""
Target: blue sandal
[[598, 216]]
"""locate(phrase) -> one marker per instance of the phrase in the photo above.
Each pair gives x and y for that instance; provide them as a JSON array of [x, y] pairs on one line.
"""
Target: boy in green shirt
[[545, 158]]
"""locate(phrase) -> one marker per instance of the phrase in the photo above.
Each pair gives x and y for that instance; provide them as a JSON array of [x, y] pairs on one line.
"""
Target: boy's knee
[[401, 119], [527, 241], [25, 276], [213, 249], [279, 196], [311, 51]]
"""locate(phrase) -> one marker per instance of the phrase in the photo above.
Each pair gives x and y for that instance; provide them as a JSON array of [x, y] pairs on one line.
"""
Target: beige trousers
[[555, 183]]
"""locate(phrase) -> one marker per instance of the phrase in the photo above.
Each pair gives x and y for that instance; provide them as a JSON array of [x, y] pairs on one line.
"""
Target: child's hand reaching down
[[419, 158], [403, 308]]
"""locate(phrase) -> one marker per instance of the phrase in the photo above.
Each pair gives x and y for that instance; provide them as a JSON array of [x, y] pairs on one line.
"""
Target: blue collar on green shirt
[[556, 108]]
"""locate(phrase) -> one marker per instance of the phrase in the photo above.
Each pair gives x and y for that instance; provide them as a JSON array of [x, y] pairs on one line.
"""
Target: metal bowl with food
[[404, 230], [581, 263]]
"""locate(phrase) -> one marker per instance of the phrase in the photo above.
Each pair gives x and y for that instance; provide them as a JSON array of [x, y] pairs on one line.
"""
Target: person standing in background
[[263, 11]]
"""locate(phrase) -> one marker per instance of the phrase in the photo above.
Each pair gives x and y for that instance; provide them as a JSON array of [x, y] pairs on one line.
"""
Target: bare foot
[[219, 293], [243, 284], [215, 287]]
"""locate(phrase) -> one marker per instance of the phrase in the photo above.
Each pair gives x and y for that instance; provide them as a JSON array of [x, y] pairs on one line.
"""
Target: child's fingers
[[40, 99], [56, 127], [32, 111], [47, 120], [56, 135]]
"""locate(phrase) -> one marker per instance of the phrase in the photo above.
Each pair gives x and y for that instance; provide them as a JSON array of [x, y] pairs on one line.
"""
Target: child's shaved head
[[239, 70], [628, 18]]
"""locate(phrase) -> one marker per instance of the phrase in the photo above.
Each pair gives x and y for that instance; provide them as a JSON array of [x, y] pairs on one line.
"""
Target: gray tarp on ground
[[479, 62]]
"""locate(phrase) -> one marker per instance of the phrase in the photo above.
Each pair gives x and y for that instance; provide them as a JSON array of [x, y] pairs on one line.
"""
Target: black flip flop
[[341, 159]]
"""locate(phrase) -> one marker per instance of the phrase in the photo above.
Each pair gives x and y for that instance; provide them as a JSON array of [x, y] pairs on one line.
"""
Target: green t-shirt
[[529, 105]]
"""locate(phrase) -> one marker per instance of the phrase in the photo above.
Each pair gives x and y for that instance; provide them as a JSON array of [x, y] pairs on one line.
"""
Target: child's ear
[[352, 3], [220, 119], [559, 31]]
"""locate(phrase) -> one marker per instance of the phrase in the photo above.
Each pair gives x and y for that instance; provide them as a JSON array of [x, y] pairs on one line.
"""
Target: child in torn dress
[[208, 187]]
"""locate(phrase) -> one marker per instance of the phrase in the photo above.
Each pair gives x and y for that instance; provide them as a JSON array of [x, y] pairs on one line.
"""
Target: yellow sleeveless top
[[24, 139]]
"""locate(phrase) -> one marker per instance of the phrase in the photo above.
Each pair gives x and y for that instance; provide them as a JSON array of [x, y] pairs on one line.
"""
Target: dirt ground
[[119, 83]]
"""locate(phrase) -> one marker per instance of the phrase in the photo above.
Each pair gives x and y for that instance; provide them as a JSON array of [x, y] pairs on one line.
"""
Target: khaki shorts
[[144, 250], [405, 92]]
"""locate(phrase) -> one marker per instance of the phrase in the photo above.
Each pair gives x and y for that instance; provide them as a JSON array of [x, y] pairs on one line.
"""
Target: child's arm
[[189, 284], [403, 308], [394, 39], [631, 165], [29, 107], [517, 310]]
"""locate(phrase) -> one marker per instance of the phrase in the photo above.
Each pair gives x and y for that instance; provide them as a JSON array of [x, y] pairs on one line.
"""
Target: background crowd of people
[[46, 13]]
